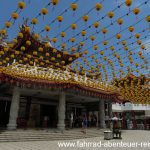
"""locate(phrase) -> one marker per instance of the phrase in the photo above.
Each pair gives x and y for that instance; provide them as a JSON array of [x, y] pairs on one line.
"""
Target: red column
[[123, 120], [134, 119]]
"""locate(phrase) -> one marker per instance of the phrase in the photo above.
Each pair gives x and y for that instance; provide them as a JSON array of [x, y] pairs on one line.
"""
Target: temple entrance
[[48, 116], [4, 113]]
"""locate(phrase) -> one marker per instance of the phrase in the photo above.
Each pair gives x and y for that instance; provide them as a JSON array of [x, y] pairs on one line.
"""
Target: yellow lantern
[[22, 48], [86, 52], [3, 32], [81, 43], [96, 24], [142, 47], [34, 21], [36, 36], [139, 42], [27, 29], [15, 16], [72, 40], [54, 40], [40, 49], [123, 42], [118, 36], [110, 14], [44, 11], [60, 18], [73, 26], [63, 45], [83, 32], [131, 28], [95, 47], [85, 18], [54, 2], [105, 42], [136, 11], [62, 34], [92, 38], [93, 56], [28, 43], [98, 6], [128, 3], [137, 35], [120, 21], [47, 54], [58, 56], [47, 28], [101, 52], [148, 18], [74, 6], [104, 30], [35, 53], [73, 49], [8, 24], [126, 48], [21, 5], [112, 48]]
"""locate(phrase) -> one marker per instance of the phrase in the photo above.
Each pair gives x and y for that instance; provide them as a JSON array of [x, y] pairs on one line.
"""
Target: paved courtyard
[[142, 138]]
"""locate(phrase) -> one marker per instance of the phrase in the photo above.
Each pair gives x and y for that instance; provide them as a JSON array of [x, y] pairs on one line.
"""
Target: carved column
[[14, 108], [61, 111], [102, 113]]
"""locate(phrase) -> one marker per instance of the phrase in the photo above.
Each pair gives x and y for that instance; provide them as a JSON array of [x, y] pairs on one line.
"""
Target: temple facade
[[38, 89]]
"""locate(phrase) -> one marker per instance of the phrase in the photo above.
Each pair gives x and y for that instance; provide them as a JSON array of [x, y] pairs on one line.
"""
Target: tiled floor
[[128, 136]]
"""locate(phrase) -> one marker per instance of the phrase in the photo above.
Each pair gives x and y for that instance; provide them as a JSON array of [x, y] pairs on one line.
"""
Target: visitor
[[71, 120], [84, 124]]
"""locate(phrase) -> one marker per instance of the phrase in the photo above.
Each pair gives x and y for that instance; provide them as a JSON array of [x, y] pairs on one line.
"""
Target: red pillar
[[134, 119]]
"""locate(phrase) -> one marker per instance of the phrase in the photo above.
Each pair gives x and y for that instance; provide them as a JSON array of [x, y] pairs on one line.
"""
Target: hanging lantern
[[15, 16], [36, 36], [136, 11], [98, 6], [72, 40], [60, 18], [27, 29], [105, 42], [118, 36], [63, 45], [128, 3], [112, 48], [93, 56], [44, 11], [62, 34], [104, 30], [120, 21], [40, 49], [96, 24], [92, 38], [95, 47], [142, 47], [137, 35], [21, 5], [28, 43], [85, 52], [83, 32], [73, 49], [34, 21], [3, 32], [8, 24], [22, 48], [148, 18], [131, 28], [81, 43], [101, 52], [54, 2], [74, 6], [139, 42], [73, 26], [85, 18], [54, 40], [20, 35], [126, 48], [35, 53], [47, 28], [123, 42], [110, 14]]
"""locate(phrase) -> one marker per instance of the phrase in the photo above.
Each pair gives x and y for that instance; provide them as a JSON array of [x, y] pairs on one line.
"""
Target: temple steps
[[47, 135]]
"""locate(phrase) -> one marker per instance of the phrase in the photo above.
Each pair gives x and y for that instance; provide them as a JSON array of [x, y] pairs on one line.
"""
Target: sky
[[85, 7]]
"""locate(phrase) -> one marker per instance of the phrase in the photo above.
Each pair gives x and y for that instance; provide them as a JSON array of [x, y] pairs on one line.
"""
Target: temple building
[[37, 84]]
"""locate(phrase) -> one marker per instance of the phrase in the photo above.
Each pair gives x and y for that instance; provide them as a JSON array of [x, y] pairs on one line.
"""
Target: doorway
[[4, 113], [49, 113]]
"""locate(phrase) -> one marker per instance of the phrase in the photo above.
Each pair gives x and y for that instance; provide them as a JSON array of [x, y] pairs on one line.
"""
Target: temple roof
[[28, 49]]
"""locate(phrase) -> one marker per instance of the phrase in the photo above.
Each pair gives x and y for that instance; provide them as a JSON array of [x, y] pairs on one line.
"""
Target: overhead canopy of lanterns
[[104, 40]]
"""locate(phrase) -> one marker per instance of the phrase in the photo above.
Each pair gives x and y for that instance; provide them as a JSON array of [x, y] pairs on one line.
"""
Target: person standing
[[71, 120]]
